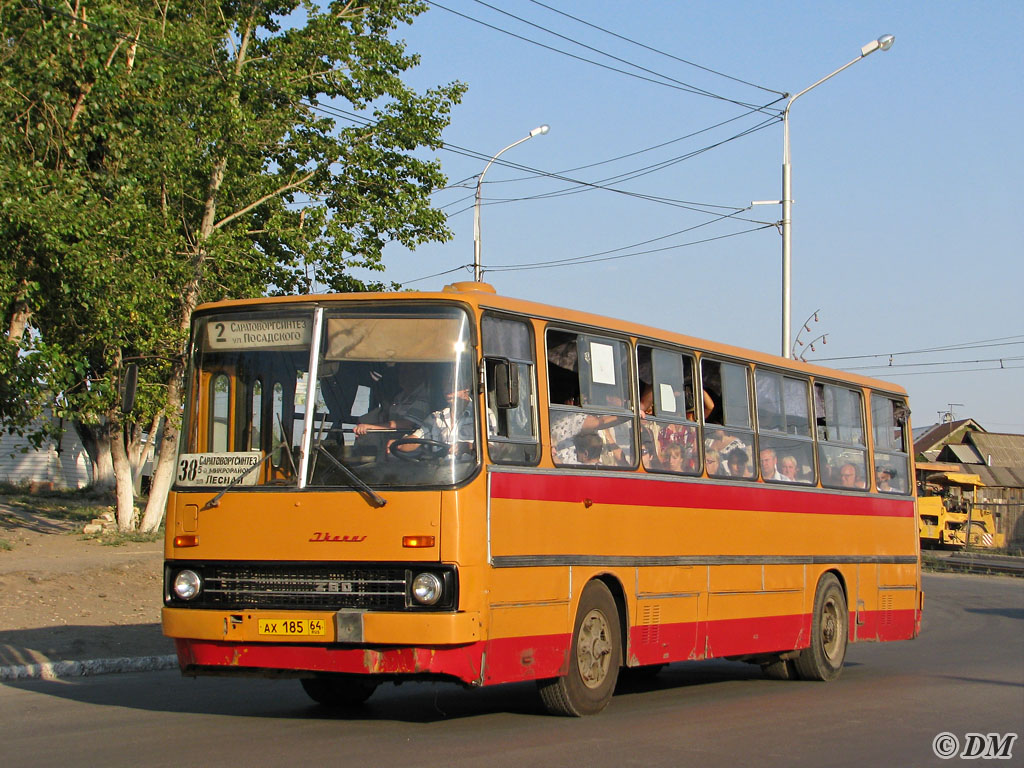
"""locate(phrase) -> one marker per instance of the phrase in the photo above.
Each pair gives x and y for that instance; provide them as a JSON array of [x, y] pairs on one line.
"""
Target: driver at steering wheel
[[452, 426]]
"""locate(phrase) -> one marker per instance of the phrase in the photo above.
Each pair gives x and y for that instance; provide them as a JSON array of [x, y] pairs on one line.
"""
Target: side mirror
[[506, 384], [129, 384]]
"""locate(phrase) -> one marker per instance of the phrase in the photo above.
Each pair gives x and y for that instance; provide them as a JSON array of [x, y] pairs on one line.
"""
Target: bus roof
[[483, 295]]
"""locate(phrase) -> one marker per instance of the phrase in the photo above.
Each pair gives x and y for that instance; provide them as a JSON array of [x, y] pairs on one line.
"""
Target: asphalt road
[[964, 674]]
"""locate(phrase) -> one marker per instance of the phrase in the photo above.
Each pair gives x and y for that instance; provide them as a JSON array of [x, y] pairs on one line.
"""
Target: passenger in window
[[674, 460], [848, 476], [788, 467], [589, 448], [770, 466], [725, 443], [883, 479], [408, 408], [738, 463], [567, 425], [713, 463]]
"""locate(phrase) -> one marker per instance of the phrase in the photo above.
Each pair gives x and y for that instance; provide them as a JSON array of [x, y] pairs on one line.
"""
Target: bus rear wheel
[[830, 624], [594, 658], [339, 690]]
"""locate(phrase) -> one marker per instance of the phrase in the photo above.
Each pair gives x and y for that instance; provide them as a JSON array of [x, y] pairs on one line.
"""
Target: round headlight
[[426, 589], [187, 585]]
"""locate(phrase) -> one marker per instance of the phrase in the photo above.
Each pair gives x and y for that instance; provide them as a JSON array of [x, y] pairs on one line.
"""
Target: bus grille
[[303, 586]]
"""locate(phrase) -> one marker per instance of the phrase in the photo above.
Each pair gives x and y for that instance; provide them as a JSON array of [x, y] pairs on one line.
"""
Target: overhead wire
[[684, 87], [588, 260], [981, 343], [688, 86], [656, 50]]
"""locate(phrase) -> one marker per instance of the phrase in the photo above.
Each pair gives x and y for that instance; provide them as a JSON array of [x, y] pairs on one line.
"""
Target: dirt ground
[[67, 597]]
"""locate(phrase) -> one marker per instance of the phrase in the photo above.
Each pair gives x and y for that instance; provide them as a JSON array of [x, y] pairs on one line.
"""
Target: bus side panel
[[743, 623], [891, 609], [665, 625]]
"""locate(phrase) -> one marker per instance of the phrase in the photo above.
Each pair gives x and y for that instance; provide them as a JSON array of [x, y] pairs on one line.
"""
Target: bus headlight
[[187, 585], [426, 589]]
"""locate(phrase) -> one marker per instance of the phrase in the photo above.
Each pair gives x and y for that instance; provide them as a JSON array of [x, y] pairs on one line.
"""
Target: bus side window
[[731, 440], [891, 460], [783, 427], [510, 391], [669, 436], [590, 402], [842, 454]]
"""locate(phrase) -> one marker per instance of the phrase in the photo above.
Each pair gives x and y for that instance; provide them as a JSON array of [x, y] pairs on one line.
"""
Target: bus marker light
[[186, 541], [417, 542]]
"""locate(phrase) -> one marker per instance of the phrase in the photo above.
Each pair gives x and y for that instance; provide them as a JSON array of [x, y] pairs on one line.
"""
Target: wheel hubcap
[[594, 649], [831, 631]]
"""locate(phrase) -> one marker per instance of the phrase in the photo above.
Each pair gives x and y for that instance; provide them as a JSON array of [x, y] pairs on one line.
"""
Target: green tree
[[159, 154]]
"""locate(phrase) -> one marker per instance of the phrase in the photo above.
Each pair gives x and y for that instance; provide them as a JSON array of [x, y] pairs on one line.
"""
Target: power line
[[655, 50], [954, 370], [948, 347], [684, 87], [590, 260], [999, 360], [646, 149], [688, 86], [593, 257]]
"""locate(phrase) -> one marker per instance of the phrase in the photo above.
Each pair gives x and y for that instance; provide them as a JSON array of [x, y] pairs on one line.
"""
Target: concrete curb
[[52, 670]]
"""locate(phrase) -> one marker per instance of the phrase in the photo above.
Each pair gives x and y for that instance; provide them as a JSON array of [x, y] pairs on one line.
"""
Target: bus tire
[[339, 690], [830, 625], [594, 658]]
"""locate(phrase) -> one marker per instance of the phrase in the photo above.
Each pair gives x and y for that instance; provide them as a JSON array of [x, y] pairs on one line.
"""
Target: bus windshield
[[391, 387]]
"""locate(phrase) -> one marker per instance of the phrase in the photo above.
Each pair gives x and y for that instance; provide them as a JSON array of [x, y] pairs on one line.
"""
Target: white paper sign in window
[[668, 398], [602, 363]]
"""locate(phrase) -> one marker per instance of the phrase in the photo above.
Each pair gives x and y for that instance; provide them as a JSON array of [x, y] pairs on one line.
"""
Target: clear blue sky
[[907, 215]]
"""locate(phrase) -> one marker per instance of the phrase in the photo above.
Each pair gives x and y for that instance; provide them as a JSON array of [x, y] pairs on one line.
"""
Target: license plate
[[291, 627]]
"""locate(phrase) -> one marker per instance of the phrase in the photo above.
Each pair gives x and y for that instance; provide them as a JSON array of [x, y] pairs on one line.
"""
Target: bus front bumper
[[388, 644], [407, 628]]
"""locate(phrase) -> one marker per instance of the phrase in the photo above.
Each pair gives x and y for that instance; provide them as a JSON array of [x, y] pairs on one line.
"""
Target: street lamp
[[883, 43], [541, 129]]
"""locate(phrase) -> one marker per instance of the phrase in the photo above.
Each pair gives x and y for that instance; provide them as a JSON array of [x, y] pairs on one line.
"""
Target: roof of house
[[998, 449], [936, 436], [960, 453]]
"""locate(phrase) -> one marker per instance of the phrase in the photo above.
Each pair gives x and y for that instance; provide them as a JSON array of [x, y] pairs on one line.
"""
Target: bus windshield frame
[[394, 388]]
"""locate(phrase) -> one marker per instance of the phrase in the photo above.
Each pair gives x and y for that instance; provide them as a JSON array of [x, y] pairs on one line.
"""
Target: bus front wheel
[[339, 690], [830, 624], [594, 658]]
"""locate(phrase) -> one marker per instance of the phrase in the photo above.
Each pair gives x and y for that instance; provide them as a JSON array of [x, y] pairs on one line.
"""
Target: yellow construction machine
[[948, 517]]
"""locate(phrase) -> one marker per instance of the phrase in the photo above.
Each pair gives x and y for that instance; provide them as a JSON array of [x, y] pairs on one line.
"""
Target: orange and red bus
[[459, 485]]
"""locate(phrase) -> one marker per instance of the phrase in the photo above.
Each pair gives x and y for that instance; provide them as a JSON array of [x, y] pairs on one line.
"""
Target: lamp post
[[883, 43], [541, 129]]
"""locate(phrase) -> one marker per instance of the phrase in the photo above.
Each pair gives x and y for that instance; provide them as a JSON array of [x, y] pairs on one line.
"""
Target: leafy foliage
[[160, 154]]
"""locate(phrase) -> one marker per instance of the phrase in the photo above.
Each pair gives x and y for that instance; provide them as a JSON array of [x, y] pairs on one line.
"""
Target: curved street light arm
[[541, 129]]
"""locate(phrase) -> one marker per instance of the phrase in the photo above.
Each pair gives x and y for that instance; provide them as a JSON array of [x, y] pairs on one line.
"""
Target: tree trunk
[[19, 313], [123, 479], [163, 475], [97, 444], [136, 448]]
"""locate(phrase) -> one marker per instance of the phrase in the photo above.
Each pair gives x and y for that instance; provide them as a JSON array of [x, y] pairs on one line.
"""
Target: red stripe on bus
[[512, 659], [645, 491]]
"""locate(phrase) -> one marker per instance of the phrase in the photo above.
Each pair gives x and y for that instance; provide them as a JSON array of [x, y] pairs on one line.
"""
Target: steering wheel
[[428, 449]]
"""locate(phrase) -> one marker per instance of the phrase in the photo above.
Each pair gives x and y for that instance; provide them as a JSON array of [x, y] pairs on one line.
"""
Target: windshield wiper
[[357, 481]]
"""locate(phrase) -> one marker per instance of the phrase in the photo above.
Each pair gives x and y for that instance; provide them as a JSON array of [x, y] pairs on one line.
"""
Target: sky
[[906, 225]]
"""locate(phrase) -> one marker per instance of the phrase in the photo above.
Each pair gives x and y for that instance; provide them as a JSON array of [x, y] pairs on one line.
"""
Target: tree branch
[[254, 204]]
